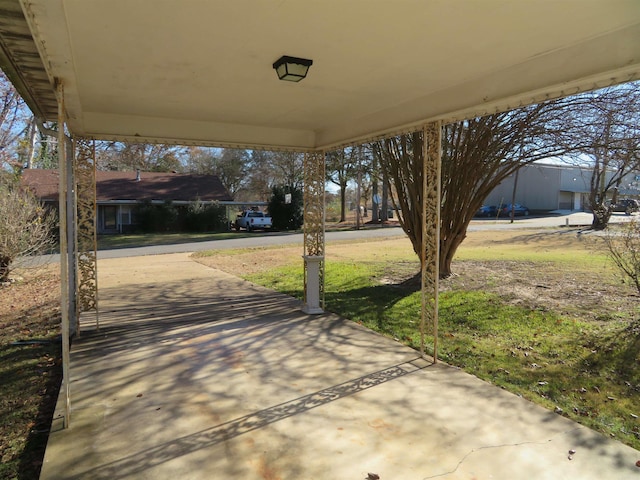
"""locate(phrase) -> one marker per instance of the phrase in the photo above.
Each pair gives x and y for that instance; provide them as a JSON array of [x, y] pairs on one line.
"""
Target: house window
[[126, 215], [110, 217]]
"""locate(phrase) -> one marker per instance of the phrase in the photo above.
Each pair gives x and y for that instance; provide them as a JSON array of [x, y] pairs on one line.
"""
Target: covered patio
[[197, 374], [204, 73]]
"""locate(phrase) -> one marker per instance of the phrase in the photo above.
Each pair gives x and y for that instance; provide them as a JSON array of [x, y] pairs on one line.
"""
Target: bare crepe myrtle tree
[[477, 155], [26, 227], [603, 131]]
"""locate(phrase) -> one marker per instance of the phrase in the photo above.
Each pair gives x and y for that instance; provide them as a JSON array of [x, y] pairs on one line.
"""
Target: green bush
[[156, 218], [168, 218], [205, 218], [286, 216]]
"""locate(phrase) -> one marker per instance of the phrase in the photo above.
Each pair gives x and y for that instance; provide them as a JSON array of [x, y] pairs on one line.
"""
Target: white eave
[[200, 72]]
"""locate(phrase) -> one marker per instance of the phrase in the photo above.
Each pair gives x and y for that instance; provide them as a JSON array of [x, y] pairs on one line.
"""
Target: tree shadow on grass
[[620, 351], [562, 238], [371, 304]]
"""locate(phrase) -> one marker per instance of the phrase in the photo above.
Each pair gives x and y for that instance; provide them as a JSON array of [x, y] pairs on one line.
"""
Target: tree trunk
[[448, 248], [384, 214], [5, 263], [375, 218], [31, 142], [601, 216]]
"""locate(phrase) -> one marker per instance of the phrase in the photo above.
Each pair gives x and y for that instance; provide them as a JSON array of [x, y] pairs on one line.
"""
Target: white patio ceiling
[[200, 72]]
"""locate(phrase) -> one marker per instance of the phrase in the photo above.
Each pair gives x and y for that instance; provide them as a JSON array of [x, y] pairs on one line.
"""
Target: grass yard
[[540, 313]]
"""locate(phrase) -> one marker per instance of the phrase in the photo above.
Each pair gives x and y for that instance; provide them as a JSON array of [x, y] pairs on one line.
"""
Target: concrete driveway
[[196, 374]]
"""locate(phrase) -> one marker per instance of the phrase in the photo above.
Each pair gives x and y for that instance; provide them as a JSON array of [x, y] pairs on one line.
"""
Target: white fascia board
[[101, 126]]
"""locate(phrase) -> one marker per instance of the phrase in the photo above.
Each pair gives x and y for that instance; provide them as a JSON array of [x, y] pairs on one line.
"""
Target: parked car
[[250, 220], [487, 211], [518, 210], [626, 205]]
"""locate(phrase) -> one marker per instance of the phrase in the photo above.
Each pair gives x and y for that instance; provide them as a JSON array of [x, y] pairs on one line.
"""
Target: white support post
[[65, 302], [72, 240], [312, 297]]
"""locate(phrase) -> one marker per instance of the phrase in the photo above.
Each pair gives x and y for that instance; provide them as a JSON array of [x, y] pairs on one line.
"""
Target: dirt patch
[[572, 293], [256, 260], [251, 261], [31, 297]]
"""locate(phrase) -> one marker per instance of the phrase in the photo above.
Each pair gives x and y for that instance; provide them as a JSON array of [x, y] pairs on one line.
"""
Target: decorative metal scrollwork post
[[430, 261], [314, 165], [85, 170]]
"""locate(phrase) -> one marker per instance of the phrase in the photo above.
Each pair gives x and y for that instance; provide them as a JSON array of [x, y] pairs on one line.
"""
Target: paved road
[[259, 240], [559, 220], [279, 238]]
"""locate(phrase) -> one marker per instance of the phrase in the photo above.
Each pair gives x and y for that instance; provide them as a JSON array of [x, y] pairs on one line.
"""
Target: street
[[577, 219]]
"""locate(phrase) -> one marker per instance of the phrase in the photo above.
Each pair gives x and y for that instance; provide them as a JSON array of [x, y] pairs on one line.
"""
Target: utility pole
[[513, 195], [359, 179]]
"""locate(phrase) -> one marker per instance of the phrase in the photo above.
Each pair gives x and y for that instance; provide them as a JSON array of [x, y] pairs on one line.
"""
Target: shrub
[[27, 228], [623, 246], [286, 216], [156, 218], [205, 217]]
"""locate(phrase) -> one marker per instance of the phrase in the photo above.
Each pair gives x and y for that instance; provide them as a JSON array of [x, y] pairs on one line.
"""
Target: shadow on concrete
[[144, 460], [197, 374]]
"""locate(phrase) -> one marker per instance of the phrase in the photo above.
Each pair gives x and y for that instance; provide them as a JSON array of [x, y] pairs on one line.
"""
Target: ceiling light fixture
[[292, 69]]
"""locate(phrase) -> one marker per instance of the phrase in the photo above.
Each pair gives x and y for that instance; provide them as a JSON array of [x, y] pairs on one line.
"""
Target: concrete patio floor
[[196, 374]]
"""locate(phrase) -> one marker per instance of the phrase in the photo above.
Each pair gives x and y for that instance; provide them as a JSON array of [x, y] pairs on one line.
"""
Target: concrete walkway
[[196, 374]]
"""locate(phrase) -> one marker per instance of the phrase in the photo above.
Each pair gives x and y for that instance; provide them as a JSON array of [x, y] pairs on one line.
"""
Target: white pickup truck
[[250, 220]]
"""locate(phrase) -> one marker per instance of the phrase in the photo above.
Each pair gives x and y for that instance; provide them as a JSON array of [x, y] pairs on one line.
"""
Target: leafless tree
[[623, 246], [26, 227], [231, 168], [260, 175], [341, 167], [364, 174], [247, 175], [605, 137], [200, 161], [477, 155], [269, 169], [147, 157], [287, 169], [27, 149], [13, 115]]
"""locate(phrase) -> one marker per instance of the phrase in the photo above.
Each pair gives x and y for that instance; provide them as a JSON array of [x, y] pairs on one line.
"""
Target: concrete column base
[[312, 266]]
